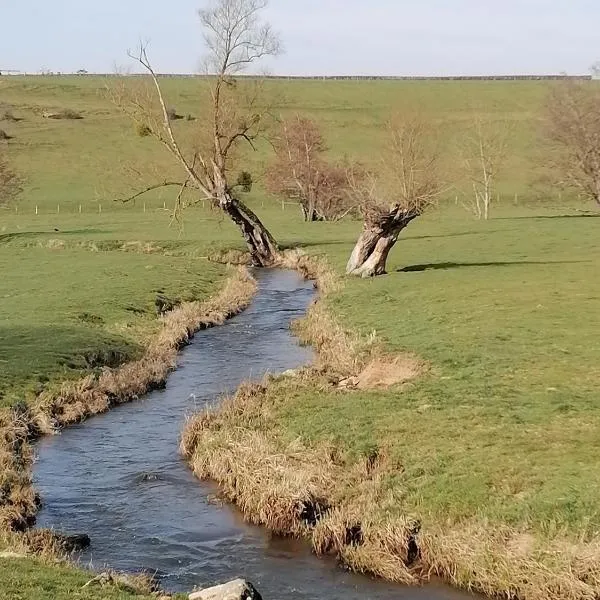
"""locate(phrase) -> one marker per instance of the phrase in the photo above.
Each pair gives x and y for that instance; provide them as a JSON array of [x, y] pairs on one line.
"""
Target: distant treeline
[[417, 78], [353, 77]]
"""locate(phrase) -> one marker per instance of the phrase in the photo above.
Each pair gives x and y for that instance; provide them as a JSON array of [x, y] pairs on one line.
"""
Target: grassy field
[[505, 425], [502, 429], [25, 580]]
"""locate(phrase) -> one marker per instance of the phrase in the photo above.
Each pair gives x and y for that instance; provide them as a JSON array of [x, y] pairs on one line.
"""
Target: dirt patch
[[384, 372]]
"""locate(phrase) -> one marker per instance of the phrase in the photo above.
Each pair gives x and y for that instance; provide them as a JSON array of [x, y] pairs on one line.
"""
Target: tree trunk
[[369, 256], [262, 245], [310, 214]]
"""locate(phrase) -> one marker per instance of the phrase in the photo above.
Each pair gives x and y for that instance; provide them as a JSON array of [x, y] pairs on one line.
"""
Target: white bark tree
[[483, 153], [235, 111]]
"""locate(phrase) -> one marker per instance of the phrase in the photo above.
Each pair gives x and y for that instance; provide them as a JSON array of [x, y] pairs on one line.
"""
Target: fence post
[[36, 209], [283, 205], [80, 209], [144, 207], [58, 209], [99, 208]]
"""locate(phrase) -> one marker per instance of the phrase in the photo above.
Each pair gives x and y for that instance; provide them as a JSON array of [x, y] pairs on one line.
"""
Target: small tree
[[11, 184], [235, 111], [572, 132], [483, 153], [406, 184], [301, 173]]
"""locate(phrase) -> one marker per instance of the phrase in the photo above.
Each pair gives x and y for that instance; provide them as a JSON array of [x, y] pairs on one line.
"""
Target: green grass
[[35, 580], [505, 425], [507, 313], [66, 311]]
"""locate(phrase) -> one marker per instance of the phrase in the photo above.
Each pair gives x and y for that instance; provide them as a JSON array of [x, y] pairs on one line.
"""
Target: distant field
[[82, 162], [504, 427]]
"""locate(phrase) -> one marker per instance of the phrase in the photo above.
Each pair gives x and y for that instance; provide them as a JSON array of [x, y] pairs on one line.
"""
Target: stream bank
[[119, 476]]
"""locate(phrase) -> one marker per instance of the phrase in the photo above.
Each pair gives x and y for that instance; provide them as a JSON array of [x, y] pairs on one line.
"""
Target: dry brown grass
[[92, 395], [339, 351], [18, 500], [345, 506]]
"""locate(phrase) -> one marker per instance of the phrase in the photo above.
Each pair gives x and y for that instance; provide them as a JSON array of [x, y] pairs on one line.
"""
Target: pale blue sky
[[371, 37]]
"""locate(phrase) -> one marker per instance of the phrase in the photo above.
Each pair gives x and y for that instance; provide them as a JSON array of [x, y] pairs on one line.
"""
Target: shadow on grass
[[581, 216], [6, 238], [28, 350], [458, 265], [451, 235], [315, 244]]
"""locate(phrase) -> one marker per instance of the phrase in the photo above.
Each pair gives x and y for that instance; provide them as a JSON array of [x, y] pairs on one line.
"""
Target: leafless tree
[[300, 172], [11, 183], [233, 115], [483, 153], [572, 132], [405, 185]]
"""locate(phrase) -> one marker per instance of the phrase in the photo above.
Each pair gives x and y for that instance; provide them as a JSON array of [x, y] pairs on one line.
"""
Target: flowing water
[[118, 477]]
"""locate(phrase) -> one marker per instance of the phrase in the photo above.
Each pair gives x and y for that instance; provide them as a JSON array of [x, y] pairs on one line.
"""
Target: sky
[[321, 37]]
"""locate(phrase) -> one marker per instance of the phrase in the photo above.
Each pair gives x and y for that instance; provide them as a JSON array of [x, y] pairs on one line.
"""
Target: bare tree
[[236, 39], [301, 173], [483, 153], [11, 184], [406, 184], [572, 132]]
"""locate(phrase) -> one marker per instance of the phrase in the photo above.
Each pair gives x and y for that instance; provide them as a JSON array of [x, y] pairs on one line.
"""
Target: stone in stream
[[239, 589]]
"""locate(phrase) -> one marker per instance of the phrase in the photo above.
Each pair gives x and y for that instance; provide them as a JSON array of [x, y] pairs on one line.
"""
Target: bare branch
[[150, 188], [301, 172], [572, 132], [483, 150]]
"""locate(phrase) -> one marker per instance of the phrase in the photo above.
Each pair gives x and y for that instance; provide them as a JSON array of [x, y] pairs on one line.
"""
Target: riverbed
[[119, 478]]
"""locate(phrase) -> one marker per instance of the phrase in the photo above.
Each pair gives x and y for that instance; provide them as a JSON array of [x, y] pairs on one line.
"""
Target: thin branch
[[150, 188]]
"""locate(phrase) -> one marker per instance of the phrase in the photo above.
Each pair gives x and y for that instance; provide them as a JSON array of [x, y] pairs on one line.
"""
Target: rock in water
[[239, 589]]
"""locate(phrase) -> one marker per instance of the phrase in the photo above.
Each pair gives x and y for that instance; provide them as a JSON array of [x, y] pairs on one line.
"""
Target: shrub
[[7, 115], [189, 117], [143, 130], [4, 135], [69, 113], [65, 113], [244, 181], [173, 115]]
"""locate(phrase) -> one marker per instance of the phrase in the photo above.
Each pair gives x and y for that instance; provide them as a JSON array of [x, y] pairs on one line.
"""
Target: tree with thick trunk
[[408, 173], [235, 112]]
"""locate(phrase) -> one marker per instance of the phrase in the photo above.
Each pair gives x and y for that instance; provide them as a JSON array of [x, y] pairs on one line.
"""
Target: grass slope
[[34, 579], [503, 428], [65, 311]]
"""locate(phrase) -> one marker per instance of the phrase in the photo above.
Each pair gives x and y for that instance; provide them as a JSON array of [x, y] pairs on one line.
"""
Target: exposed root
[[92, 395]]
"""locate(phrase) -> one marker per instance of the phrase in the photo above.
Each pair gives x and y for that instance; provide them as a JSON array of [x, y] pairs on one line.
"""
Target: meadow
[[501, 429]]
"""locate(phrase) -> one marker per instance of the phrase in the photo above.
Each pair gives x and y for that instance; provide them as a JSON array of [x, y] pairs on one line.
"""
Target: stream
[[119, 478]]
